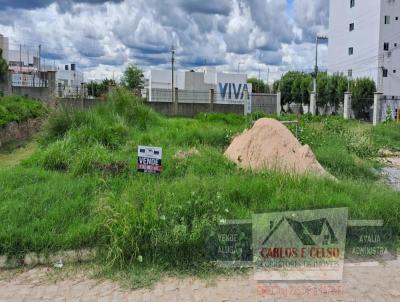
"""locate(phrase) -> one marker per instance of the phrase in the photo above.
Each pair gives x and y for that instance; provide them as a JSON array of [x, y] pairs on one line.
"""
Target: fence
[[78, 91], [191, 102], [28, 80], [190, 96], [262, 102], [160, 95], [389, 107]]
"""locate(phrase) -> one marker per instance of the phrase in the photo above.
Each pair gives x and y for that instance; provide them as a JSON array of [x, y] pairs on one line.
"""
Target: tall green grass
[[46, 211], [19, 109], [387, 135], [81, 187]]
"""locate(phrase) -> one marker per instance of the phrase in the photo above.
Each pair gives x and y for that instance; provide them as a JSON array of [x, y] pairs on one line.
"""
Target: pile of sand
[[270, 145]]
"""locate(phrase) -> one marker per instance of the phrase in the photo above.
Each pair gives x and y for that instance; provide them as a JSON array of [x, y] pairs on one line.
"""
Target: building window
[[397, 18], [350, 73], [352, 3], [351, 51], [387, 19], [386, 46], [394, 71], [351, 27], [385, 73], [395, 44]]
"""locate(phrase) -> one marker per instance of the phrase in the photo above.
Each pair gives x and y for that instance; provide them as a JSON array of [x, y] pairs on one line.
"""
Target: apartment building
[[364, 41]]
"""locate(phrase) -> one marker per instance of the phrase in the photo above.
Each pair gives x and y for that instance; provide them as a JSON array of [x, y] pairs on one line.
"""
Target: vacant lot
[[80, 188]]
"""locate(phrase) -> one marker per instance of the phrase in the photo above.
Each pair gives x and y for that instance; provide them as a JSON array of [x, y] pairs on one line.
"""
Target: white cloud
[[103, 38]]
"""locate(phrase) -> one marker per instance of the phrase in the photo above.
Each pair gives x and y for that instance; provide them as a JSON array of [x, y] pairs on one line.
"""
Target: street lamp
[[317, 39]]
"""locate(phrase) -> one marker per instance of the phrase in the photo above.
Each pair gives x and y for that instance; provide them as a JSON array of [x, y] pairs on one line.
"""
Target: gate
[[389, 108], [264, 102]]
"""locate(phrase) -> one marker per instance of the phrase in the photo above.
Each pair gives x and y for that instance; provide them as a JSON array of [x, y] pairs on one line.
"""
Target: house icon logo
[[316, 232]]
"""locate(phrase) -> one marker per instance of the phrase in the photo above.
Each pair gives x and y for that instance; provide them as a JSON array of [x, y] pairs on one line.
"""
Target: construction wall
[[192, 109], [38, 93], [45, 94], [76, 103]]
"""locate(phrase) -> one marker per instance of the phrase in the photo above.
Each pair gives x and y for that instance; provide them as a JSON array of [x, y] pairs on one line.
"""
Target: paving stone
[[374, 283]]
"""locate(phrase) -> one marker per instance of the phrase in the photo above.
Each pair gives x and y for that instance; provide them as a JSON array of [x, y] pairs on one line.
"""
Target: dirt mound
[[270, 145]]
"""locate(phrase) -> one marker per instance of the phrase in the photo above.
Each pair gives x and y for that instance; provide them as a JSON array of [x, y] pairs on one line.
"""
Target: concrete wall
[[192, 109], [73, 103], [38, 93], [4, 89], [45, 94], [18, 131]]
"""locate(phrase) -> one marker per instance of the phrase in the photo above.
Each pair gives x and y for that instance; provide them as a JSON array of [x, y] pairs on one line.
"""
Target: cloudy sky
[[102, 37]]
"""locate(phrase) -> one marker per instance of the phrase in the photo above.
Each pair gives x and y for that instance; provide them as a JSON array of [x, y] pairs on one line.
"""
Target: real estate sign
[[149, 159]]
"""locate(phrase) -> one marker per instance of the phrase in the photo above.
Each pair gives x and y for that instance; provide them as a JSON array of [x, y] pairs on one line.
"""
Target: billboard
[[233, 89]]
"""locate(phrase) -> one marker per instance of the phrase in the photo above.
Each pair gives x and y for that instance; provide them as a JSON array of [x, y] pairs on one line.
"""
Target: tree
[[305, 88], [276, 86], [296, 90], [3, 67], [340, 82], [363, 90], [286, 84], [258, 85], [133, 78], [323, 91], [97, 89]]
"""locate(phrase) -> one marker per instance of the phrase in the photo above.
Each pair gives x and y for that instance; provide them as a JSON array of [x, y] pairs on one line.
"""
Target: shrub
[[131, 108], [362, 96], [19, 109]]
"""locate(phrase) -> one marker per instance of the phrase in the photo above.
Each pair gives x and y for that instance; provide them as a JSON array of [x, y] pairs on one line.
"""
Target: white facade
[[70, 78], [364, 41], [228, 87], [69, 82]]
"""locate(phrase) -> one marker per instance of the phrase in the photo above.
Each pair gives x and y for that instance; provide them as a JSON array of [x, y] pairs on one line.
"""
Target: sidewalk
[[375, 282]]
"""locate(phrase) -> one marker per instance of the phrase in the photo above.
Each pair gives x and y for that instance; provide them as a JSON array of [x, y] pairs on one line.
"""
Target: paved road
[[377, 282]]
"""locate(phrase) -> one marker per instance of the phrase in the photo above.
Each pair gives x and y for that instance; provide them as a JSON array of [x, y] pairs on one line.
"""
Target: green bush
[[19, 109]]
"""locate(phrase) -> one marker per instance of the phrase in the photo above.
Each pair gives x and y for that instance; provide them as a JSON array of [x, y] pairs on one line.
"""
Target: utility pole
[[240, 63], [172, 73], [317, 39], [40, 55], [314, 94], [20, 59]]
